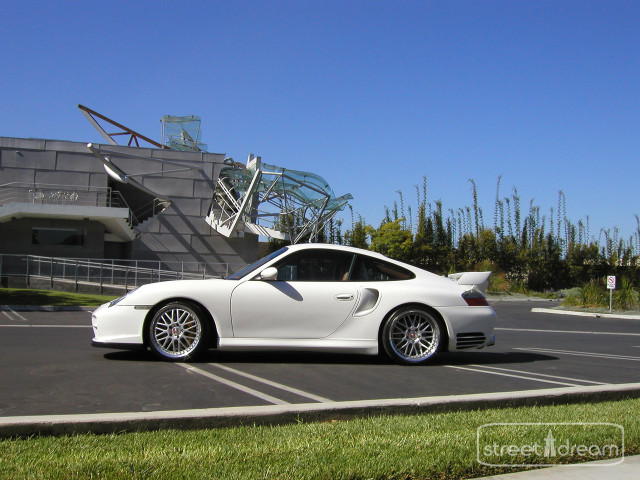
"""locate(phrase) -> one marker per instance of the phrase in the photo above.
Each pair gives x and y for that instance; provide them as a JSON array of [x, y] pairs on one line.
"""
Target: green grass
[[25, 296], [434, 446]]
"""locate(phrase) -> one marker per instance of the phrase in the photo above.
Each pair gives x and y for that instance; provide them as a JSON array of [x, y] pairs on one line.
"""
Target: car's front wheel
[[178, 332], [411, 336]]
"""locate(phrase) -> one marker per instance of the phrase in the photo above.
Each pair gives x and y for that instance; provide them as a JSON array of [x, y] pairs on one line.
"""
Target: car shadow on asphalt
[[490, 358], [313, 358]]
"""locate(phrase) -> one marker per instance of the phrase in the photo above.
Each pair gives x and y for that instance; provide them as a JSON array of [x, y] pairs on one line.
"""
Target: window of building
[[58, 236]]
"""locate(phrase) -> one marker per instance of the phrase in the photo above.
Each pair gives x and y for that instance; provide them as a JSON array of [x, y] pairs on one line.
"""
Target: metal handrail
[[101, 273]]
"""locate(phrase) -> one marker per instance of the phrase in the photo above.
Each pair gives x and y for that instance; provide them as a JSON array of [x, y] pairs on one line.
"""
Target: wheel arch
[[444, 345], [213, 342]]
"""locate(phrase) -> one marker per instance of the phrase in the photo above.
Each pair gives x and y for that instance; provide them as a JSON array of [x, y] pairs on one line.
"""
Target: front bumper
[[118, 325], [118, 346]]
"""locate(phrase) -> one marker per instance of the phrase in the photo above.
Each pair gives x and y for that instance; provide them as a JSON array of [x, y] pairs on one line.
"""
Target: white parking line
[[237, 386], [541, 374], [13, 312], [513, 376], [582, 354], [255, 378], [569, 331]]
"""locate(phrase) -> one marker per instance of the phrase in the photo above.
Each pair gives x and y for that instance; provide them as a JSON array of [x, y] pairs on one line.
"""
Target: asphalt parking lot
[[48, 367]]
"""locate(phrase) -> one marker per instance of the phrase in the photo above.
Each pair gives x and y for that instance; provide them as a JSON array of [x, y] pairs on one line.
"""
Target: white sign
[[611, 282]]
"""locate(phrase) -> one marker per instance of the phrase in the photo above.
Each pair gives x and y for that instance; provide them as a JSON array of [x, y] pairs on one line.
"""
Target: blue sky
[[372, 95]]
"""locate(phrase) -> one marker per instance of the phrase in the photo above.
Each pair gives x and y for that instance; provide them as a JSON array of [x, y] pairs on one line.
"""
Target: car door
[[310, 298]]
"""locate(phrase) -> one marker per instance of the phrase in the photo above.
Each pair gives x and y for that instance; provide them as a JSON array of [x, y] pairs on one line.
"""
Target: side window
[[369, 269], [315, 266]]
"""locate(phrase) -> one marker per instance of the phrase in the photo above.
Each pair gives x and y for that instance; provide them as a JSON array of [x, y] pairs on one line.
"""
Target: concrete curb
[[284, 414], [519, 299], [586, 314]]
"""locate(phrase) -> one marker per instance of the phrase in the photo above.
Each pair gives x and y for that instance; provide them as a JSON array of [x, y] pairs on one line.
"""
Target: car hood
[[152, 293]]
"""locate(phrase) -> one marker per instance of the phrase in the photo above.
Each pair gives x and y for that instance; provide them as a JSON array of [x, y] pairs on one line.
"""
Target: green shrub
[[498, 282], [626, 297], [595, 295]]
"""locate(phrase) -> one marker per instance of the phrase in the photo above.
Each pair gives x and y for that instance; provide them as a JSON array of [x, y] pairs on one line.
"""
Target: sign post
[[611, 285]]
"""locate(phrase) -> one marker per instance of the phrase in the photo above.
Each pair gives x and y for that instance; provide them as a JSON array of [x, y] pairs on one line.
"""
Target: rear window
[[368, 269]]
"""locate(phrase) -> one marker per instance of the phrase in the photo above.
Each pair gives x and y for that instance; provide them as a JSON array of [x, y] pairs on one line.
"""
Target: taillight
[[474, 298]]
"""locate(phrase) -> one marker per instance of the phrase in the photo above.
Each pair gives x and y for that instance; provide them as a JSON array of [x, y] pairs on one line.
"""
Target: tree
[[392, 240], [358, 236]]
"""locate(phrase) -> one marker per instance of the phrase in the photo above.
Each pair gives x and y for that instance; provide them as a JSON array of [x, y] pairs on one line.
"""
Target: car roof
[[345, 248], [331, 246]]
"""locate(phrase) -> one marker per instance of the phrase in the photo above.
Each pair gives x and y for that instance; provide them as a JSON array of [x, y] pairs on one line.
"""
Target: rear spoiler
[[474, 280]]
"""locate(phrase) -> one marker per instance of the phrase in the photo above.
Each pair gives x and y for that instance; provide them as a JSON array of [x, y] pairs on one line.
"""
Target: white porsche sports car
[[305, 297]]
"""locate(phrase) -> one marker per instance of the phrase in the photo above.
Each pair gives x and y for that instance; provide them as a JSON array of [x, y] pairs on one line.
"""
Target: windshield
[[254, 266]]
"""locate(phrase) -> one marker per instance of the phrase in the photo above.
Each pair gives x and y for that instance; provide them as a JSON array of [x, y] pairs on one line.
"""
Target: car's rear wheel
[[178, 332], [411, 335]]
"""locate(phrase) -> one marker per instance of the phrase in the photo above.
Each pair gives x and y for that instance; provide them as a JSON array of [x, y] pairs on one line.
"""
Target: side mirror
[[269, 274]]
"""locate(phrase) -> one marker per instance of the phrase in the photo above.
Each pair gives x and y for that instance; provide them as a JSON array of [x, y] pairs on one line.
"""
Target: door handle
[[344, 296]]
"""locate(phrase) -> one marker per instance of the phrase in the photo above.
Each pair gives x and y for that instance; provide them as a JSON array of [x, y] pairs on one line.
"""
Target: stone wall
[[179, 234]]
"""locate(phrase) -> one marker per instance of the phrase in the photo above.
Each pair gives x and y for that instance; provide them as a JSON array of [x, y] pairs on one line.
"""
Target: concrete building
[[66, 199]]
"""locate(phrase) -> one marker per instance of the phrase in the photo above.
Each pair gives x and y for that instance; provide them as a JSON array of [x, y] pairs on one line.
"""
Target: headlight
[[118, 300]]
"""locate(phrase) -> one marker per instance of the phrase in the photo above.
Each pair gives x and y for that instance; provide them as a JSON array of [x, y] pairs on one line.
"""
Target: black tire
[[411, 336], [178, 332]]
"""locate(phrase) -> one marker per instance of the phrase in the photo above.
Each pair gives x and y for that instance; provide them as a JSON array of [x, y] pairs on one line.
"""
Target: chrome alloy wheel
[[176, 332], [411, 336]]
